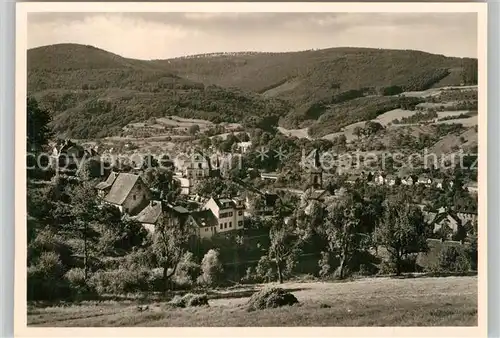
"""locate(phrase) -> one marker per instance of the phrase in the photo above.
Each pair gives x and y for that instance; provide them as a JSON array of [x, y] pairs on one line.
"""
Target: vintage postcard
[[297, 169]]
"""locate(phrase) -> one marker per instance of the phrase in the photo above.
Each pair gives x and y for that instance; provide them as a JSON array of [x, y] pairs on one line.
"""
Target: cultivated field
[[445, 301]]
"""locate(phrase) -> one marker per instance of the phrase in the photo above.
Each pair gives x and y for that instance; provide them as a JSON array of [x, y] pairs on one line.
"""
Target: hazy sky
[[166, 35]]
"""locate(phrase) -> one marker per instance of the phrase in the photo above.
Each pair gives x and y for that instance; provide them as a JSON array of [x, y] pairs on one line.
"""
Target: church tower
[[316, 173]]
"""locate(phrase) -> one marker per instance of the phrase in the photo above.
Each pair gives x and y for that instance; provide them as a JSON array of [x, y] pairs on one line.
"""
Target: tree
[[170, 243], [358, 131], [159, 180], [38, 130], [346, 229], [205, 142], [84, 212], [372, 127], [211, 269], [149, 161], [214, 186], [194, 129], [285, 243], [402, 232], [243, 137]]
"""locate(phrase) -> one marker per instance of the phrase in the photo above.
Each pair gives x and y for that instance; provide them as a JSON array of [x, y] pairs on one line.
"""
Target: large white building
[[228, 212]]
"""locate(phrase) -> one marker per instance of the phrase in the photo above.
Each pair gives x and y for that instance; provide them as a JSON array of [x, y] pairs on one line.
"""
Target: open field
[[300, 133], [445, 301], [436, 91], [466, 122]]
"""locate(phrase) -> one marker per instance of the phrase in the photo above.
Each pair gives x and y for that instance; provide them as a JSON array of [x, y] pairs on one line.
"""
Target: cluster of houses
[[132, 197], [389, 179]]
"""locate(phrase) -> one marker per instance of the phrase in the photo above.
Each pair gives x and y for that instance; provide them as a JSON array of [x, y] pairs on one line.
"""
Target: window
[[133, 197], [230, 224], [240, 213], [206, 229], [225, 225], [240, 223], [230, 214], [221, 226]]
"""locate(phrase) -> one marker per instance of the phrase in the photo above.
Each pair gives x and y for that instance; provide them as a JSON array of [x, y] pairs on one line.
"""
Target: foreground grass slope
[[450, 301], [86, 87]]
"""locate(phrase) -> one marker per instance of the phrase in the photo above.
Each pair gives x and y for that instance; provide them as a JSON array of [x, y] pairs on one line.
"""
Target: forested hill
[[93, 93]]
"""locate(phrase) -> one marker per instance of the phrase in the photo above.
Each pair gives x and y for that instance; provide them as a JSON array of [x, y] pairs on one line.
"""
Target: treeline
[[81, 115], [321, 78], [416, 118]]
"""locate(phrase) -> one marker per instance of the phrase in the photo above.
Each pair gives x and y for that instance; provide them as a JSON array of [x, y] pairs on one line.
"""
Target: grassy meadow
[[426, 301]]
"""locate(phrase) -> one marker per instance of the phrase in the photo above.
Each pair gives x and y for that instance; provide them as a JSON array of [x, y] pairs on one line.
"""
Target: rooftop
[[121, 188], [204, 218]]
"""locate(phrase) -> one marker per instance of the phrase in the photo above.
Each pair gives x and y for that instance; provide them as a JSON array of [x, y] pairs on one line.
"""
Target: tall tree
[[346, 230], [159, 180], [402, 232], [84, 212], [285, 242], [38, 129], [170, 243]]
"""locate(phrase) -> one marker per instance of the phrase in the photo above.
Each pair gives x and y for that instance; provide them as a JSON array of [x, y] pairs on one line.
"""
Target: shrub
[[389, 267], [189, 300], [212, 270], [187, 270], [324, 264], [48, 241], [78, 285], [270, 298], [452, 259], [386, 268], [121, 281], [250, 276], [264, 270], [46, 279], [367, 270]]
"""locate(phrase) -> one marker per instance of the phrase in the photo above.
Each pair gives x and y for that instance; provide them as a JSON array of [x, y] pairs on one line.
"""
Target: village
[[212, 214], [174, 181]]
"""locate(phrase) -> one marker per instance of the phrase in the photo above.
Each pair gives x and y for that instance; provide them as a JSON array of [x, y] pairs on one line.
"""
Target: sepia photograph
[[230, 167]]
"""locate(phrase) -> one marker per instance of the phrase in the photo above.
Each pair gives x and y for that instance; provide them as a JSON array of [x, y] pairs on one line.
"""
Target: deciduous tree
[[402, 232], [170, 243]]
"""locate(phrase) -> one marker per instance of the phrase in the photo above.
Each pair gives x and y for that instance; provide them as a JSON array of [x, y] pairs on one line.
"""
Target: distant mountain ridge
[[93, 93]]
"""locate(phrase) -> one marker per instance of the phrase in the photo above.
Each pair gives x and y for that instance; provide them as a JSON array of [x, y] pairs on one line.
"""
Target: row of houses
[[454, 221], [132, 197]]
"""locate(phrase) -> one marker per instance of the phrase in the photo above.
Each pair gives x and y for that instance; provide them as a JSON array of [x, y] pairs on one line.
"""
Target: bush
[[212, 270], [78, 285], [324, 264], [250, 276], [187, 270], [121, 281], [270, 298], [189, 300], [386, 268], [367, 270], [452, 259], [265, 271], [407, 265], [46, 279]]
